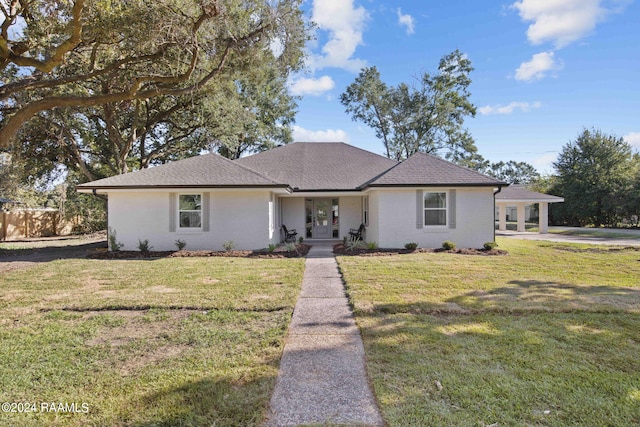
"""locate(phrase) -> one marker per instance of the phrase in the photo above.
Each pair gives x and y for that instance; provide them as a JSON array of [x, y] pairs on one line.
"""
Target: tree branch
[[59, 52], [13, 123]]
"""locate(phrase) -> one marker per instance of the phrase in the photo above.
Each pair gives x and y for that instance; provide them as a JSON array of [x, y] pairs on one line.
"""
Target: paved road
[[552, 237]]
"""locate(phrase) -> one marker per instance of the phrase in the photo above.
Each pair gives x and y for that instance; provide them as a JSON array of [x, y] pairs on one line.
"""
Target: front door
[[322, 225]]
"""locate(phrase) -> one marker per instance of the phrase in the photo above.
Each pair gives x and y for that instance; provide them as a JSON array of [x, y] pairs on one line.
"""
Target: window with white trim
[[190, 211], [365, 210], [435, 209]]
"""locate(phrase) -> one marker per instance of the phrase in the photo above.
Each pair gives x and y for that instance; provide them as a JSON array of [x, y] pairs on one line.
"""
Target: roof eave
[[152, 187], [442, 184]]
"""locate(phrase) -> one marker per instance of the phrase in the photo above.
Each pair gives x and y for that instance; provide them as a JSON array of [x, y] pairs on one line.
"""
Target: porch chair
[[289, 235], [356, 233]]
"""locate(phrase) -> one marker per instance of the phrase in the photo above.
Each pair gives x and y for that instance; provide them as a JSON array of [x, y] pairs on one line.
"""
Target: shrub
[[372, 245], [228, 245], [300, 240], [291, 247], [114, 245], [411, 246], [344, 241], [271, 248], [180, 244], [448, 245], [143, 245], [355, 244], [490, 245]]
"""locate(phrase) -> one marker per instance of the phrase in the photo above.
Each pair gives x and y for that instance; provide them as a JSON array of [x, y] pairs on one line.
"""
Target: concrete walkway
[[322, 377]]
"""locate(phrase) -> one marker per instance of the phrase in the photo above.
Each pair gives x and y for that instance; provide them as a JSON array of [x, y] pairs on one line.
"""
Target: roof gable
[[207, 170], [427, 170], [315, 166]]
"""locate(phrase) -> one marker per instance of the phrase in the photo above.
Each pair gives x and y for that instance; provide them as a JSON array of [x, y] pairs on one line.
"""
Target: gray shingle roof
[[302, 166], [314, 166], [427, 170], [520, 193], [208, 170]]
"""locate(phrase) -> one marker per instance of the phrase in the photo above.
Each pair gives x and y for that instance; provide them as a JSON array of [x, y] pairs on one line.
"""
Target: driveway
[[630, 238], [29, 252]]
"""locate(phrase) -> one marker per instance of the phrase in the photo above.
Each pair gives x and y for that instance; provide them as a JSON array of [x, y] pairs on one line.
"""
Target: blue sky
[[544, 69]]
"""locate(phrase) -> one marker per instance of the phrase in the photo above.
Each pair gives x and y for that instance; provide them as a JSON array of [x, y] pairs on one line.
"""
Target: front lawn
[[547, 335], [159, 342]]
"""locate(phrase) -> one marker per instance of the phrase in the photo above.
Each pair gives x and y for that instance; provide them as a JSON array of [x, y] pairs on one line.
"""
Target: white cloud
[[536, 68], [544, 162], [562, 22], [509, 108], [345, 24], [406, 21], [304, 86], [328, 135], [633, 139]]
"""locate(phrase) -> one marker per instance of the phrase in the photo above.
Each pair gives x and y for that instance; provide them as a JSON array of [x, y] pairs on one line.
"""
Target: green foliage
[[300, 240], [112, 240], [411, 246], [372, 245], [290, 247], [147, 82], [489, 245], [143, 246], [425, 117], [513, 172], [228, 245], [271, 247], [596, 179], [448, 245], [355, 243], [180, 244]]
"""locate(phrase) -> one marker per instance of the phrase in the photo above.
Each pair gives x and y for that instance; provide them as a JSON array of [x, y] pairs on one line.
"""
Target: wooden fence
[[23, 223]]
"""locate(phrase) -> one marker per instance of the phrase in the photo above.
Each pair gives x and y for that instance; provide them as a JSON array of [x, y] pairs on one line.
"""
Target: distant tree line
[[598, 175]]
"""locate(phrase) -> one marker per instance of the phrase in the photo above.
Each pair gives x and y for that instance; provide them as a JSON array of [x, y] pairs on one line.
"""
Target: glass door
[[322, 224]]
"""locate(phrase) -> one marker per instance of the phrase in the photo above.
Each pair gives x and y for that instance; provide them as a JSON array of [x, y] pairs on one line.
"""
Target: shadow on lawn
[[504, 368], [206, 402], [527, 296]]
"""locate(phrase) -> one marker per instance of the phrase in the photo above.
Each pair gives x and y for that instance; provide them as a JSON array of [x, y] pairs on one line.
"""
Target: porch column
[[521, 211], [543, 221], [502, 216]]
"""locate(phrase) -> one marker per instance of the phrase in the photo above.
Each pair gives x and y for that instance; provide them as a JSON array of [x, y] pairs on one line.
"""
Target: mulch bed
[[340, 249], [301, 251]]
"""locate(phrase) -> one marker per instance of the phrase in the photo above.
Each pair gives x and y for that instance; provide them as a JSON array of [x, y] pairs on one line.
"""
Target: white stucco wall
[[293, 214], [372, 233], [240, 216], [350, 209], [394, 220]]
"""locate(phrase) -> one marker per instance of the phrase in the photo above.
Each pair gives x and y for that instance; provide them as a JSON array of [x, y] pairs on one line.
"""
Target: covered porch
[[323, 216], [518, 198]]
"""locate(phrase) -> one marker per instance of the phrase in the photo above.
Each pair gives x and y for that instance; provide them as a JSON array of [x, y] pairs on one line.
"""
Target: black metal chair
[[356, 234], [289, 235]]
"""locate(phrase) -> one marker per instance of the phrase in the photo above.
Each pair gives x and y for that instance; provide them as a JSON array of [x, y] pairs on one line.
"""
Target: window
[[190, 210], [335, 218], [435, 209], [365, 210]]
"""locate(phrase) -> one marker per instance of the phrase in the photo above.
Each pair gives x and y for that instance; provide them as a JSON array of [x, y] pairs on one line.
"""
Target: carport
[[521, 197]]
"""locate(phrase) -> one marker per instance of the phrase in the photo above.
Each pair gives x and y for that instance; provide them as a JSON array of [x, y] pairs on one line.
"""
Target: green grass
[[145, 342], [548, 335]]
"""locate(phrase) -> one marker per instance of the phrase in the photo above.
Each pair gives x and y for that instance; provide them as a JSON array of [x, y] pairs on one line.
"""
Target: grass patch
[[548, 335], [145, 342]]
